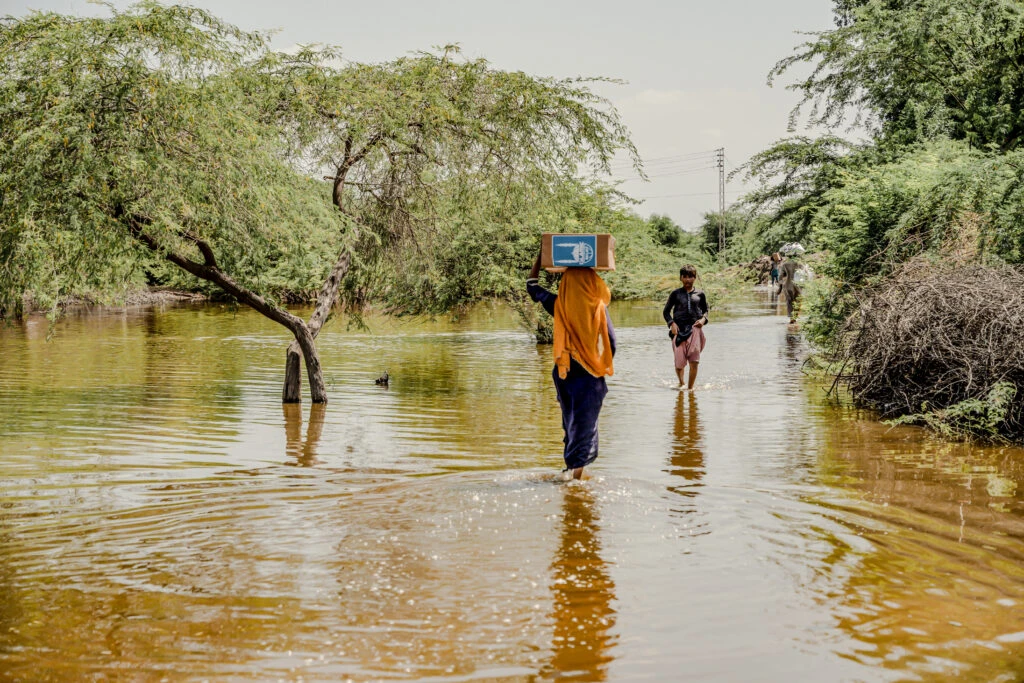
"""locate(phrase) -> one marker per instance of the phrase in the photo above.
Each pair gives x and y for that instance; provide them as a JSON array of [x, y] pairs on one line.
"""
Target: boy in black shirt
[[686, 314]]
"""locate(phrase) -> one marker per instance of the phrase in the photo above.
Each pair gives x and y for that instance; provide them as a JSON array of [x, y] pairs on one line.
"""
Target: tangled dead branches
[[943, 346]]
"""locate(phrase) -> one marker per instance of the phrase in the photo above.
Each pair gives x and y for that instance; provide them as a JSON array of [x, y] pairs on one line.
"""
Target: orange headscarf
[[581, 328]]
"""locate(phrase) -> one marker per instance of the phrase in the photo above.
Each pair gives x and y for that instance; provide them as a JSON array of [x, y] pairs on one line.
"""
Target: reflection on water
[[162, 515], [303, 450], [929, 560], [687, 458], [582, 592], [795, 349]]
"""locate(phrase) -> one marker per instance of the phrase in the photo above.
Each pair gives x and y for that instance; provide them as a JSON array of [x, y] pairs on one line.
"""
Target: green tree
[[917, 69], [939, 198], [665, 231], [126, 137], [735, 222], [912, 71], [163, 128], [432, 157]]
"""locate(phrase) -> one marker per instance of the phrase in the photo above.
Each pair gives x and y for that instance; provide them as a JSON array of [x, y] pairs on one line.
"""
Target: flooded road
[[163, 517]]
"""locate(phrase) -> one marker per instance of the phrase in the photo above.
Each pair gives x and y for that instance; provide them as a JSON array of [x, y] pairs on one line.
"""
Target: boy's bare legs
[[674, 330], [577, 473], [692, 378]]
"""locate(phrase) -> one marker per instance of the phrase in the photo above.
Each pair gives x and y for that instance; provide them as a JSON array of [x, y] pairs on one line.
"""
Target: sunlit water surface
[[163, 517]]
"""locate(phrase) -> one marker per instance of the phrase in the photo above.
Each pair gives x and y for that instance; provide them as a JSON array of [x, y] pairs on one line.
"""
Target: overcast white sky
[[695, 71]]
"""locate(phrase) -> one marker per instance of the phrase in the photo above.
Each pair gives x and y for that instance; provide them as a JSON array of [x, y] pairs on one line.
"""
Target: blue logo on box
[[574, 251]]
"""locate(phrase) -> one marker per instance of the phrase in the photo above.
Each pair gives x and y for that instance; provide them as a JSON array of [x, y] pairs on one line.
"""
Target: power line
[[681, 166], [687, 194], [667, 160], [670, 167], [681, 172], [684, 194], [679, 160], [678, 156], [704, 166], [689, 164]]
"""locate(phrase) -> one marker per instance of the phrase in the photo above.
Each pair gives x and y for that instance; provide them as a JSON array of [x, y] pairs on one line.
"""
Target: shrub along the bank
[[940, 345], [934, 89]]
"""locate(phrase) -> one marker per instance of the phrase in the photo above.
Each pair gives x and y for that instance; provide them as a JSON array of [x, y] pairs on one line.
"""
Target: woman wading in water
[[584, 347]]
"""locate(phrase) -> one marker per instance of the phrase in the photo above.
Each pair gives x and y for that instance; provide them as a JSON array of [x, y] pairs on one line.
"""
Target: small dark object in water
[[383, 379]]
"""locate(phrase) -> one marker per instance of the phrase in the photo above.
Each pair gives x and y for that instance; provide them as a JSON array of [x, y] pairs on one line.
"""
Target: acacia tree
[[917, 69], [165, 131], [430, 149], [911, 71], [794, 176], [127, 137]]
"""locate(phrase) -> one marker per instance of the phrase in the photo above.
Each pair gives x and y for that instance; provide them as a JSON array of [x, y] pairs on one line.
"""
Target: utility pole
[[720, 162]]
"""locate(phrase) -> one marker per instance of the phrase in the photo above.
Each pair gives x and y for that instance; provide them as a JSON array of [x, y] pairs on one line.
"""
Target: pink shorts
[[689, 350]]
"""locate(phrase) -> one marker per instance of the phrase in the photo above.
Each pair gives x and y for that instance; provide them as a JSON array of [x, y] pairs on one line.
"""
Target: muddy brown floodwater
[[163, 517]]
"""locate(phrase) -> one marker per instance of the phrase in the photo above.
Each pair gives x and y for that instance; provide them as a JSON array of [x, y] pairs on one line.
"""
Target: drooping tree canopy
[[916, 69], [795, 173], [126, 135], [915, 73], [430, 151], [164, 135]]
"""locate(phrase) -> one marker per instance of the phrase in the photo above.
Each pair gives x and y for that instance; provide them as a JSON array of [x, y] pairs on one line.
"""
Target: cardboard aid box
[[559, 252]]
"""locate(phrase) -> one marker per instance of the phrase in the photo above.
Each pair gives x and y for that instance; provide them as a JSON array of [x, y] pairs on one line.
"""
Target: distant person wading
[[787, 285]]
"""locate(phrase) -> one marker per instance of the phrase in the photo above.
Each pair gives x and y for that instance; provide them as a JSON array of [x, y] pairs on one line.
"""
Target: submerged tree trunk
[[315, 374], [305, 333], [292, 391], [303, 349]]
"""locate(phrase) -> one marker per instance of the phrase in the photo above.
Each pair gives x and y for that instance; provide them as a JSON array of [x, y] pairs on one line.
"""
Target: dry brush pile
[[941, 346]]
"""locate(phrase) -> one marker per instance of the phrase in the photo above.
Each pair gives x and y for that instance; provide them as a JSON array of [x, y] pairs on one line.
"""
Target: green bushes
[[974, 417], [932, 200], [483, 248]]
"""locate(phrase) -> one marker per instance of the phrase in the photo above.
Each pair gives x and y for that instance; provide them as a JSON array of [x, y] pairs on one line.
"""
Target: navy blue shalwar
[[580, 395]]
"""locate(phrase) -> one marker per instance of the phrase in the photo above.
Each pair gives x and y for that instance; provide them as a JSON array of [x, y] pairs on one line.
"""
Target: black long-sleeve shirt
[[684, 309]]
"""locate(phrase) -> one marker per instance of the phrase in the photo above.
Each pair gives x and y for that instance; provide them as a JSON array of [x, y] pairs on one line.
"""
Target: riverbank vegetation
[[161, 145], [920, 213], [941, 346]]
